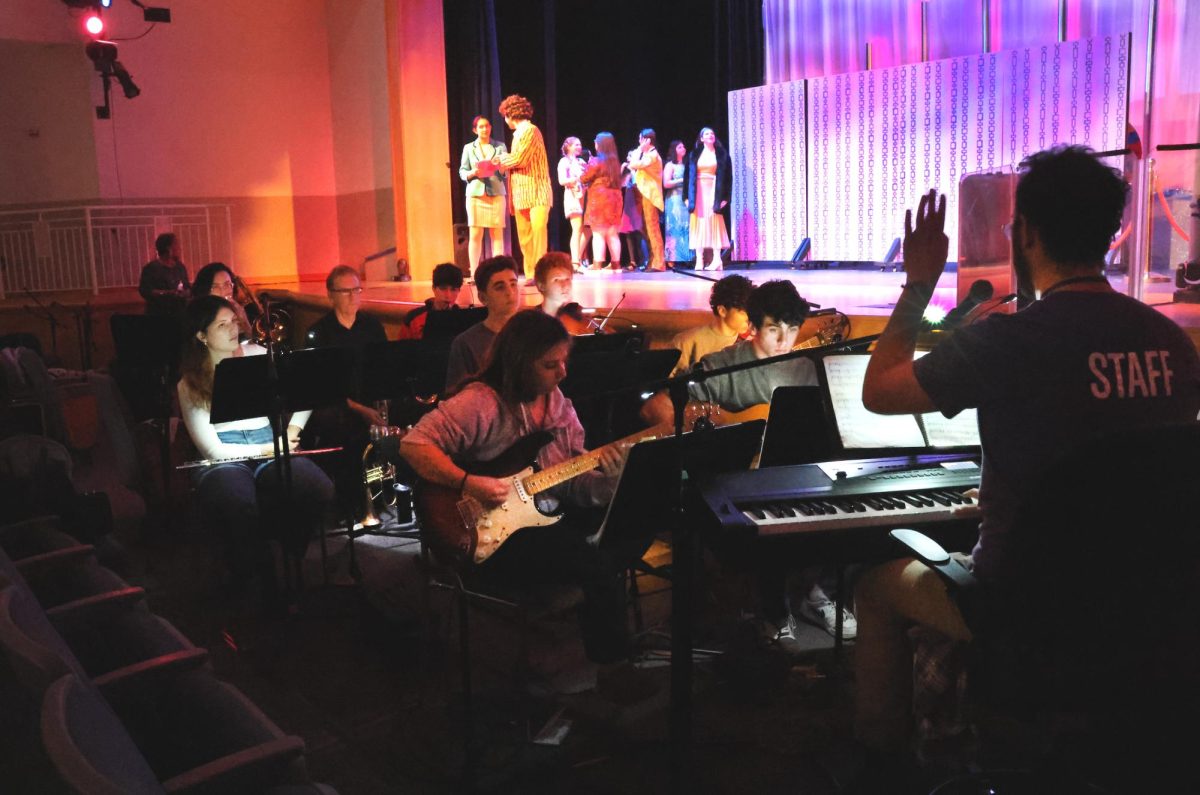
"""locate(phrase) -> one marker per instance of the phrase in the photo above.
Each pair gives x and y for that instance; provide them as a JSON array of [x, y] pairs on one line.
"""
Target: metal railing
[[98, 246]]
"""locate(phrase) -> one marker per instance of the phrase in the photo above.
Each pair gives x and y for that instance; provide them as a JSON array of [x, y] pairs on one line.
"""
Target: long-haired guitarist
[[516, 394], [240, 500]]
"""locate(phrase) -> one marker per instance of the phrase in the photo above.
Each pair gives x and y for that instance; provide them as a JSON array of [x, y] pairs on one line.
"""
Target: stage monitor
[[864, 434]]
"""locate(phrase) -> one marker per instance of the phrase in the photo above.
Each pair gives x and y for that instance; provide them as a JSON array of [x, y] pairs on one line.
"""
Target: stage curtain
[[472, 80]]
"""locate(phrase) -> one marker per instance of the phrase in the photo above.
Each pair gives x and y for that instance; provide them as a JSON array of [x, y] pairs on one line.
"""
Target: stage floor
[[652, 298]]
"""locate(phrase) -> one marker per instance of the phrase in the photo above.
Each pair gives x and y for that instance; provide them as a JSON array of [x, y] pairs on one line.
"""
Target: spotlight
[[94, 25], [104, 58], [106, 3]]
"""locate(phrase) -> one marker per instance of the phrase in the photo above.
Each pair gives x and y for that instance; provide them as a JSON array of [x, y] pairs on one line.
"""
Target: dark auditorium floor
[[346, 672]]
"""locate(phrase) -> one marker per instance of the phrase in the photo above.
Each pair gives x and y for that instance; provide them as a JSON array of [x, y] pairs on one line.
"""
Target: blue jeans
[[246, 503]]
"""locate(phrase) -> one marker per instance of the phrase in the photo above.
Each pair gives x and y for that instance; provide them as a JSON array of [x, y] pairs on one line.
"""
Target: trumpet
[[379, 477], [272, 321]]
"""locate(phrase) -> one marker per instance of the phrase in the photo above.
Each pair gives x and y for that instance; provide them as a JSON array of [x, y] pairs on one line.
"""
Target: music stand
[[798, 431], [403, 368], [147, 346], [443, 325], [607, 343], [649, 473], [600, 382]]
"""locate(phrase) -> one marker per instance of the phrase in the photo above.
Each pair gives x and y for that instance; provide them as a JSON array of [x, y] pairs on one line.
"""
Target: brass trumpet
[[379, 477]]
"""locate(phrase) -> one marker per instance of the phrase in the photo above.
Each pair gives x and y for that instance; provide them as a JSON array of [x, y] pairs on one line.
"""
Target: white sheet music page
[[858, 427]]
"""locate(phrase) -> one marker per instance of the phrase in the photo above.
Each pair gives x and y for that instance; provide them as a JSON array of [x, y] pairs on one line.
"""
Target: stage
[[664, 303]]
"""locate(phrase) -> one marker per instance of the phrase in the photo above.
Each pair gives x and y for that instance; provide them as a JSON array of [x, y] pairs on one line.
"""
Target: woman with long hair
[[709, 182], [217, 278], [603, 178], [570, 169], [487, 206], [244, 501], [516, 394], [675, 213]]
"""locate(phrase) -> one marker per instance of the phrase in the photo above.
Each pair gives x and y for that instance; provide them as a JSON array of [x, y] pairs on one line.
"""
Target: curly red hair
[[516, 107]]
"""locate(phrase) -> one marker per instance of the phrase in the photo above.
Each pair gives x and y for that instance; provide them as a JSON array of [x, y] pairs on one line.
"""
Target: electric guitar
[[465, 529]]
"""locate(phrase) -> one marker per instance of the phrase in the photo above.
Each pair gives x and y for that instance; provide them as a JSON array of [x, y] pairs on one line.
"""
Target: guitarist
[[516, 394], [776, 314]]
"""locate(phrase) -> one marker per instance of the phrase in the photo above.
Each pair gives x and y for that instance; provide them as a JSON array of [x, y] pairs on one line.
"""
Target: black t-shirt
[[1071, 366], [329, 333], [158, 276]]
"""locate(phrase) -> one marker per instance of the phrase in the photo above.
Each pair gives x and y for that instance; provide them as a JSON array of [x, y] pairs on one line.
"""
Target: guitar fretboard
[[560, 473]]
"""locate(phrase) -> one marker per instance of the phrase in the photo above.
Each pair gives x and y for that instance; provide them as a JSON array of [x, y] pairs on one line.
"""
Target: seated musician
[[447, 283], [553, 277], [346, 426], [241, 500], [514, 395], [496, 283], [729, 323], [1043, 380], [217, 278], [776, 313]]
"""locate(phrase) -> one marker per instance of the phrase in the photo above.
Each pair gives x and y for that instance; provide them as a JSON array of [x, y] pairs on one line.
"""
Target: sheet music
[[858, 427], [962, 431]]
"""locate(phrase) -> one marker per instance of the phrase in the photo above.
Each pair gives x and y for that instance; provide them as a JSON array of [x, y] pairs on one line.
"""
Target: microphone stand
[[283, 455], [48, 315], [684, 548]]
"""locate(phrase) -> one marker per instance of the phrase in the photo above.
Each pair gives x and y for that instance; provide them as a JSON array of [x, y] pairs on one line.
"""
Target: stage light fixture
[[106, 3], [94, 25], [104, 58]]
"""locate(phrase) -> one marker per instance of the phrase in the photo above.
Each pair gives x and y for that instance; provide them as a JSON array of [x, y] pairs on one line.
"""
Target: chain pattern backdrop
[[871, 143]]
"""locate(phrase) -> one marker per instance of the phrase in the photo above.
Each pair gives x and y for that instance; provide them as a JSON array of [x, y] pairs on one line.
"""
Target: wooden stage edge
[[662, 304]]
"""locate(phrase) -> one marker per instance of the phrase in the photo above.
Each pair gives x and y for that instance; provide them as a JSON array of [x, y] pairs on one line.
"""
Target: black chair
[[1094, 644]]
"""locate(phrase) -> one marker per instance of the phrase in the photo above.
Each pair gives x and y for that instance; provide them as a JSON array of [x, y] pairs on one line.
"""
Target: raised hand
[[926, 244]]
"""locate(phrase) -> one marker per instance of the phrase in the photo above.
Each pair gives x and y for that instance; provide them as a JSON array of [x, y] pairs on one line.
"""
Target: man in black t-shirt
[[164, 281], [1082, 361], [345, 426]]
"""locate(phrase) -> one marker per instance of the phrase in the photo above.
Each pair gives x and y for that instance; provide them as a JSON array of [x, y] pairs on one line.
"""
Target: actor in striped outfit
[[528, 179]]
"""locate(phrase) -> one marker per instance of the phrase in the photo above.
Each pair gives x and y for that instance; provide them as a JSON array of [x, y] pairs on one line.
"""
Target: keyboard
[[841, 495]]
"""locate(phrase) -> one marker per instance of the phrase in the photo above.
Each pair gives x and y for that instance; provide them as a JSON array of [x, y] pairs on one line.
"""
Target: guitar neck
[[574, 467]]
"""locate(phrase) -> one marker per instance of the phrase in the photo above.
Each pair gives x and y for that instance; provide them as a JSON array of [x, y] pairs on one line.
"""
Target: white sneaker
[[823, 613], [784, 635]]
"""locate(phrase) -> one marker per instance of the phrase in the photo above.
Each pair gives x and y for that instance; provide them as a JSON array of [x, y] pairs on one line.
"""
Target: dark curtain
[[472, 81], [593, 65]]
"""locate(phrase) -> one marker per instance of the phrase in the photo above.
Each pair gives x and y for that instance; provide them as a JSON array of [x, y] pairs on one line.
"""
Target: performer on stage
[[631, 230], [243, 503], [730, 321], [647, 171], [709, 186], [675, 212], [603, 180], [553, 276], [164, 282], [496, 283], [447, 283], [529, 178], [514, 395], [1043, 381], [486, 196], [570, 169]]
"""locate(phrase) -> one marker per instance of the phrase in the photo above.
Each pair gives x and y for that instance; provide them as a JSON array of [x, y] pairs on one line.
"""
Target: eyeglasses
[[347, 290]]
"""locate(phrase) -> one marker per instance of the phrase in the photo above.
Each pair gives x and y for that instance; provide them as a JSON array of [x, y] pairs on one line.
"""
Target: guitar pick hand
[[489, 491]]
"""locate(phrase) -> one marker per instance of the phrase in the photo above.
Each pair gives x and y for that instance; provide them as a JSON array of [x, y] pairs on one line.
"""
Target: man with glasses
[[345, 426]]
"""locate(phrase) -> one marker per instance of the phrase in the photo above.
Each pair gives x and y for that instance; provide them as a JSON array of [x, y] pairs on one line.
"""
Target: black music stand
[[798, 431], [607, 343], [601, 382], [443, 325], [147, 348], [279, 384], [649, 473], [403, 369]]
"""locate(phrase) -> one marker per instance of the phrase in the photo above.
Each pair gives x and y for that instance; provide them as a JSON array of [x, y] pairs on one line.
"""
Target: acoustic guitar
[[464, 529]]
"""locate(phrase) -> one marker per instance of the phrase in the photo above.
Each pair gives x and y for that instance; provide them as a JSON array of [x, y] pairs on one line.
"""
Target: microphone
[[981, 290]]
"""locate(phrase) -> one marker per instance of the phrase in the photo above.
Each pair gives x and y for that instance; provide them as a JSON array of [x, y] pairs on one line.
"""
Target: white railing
[[97, 246]]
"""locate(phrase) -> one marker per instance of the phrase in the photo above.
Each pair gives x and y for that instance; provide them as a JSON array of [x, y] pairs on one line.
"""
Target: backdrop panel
[[767, 144], [877, 140]]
